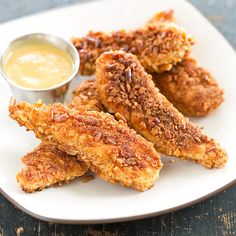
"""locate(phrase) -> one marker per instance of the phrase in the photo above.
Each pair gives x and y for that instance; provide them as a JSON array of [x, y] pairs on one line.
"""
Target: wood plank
[[215, 216]]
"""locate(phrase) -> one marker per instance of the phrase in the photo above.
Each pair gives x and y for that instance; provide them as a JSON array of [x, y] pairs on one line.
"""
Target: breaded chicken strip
[[46, 166], [157, 46], [125, 87], [194, 87], [110, 149], [86, 96], [190, 88]]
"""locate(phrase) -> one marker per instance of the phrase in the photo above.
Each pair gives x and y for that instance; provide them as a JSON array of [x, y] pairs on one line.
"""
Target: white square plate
[[181, 183]]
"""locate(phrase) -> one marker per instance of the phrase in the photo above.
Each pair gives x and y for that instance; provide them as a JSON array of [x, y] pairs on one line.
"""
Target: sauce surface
[[36, 64]]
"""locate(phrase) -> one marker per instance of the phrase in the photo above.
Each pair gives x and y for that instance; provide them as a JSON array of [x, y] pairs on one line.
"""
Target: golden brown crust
[[191, 89], [163, 16], [111, 150], [125, 87], [86, 96], [46, 166], [157, 46]]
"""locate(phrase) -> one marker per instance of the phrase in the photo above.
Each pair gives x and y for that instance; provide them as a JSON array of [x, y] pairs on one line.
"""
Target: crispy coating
[[190, 88], [110, 149], [157, 46], [125, 87], [86, 96], [163, 16], [46, 166]]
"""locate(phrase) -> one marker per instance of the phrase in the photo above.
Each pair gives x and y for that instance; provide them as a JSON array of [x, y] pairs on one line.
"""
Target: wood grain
[[215, 216]]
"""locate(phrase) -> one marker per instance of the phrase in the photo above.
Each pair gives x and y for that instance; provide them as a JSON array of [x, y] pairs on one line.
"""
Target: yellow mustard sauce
[[36, 64]]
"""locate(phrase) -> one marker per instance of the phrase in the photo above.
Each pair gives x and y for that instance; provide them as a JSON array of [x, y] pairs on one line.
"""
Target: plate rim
[[127, 218], [117, 219]]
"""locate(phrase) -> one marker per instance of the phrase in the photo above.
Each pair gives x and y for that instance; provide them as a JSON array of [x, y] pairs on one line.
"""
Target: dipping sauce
[[36, 64]]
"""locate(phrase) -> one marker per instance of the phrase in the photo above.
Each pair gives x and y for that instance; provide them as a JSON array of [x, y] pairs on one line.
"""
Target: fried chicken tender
[[157, 46], [46, 166], [110, 149], [86, 96], [190, 88], [125, 87]]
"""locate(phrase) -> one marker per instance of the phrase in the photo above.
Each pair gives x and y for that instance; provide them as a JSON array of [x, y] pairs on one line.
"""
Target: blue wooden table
[[215, 216]]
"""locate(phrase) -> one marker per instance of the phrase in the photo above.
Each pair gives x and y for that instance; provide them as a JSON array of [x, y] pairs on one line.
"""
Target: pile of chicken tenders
[[117, 125]]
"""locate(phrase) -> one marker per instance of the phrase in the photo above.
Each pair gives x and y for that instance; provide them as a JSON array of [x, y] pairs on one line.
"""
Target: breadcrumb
[[157, 46], [46, 166], [110, 149], [125, 87], [190, 88]]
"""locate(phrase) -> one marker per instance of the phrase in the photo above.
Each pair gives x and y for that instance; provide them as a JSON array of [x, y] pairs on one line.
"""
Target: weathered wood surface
[[215, 216]]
